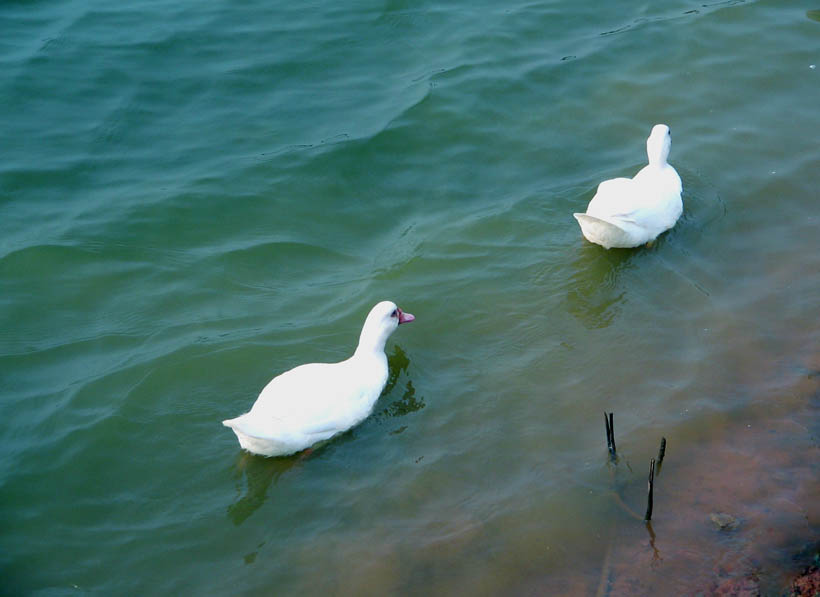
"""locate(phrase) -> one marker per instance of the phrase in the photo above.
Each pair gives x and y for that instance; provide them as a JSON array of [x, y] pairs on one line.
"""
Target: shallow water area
[[194, 199]]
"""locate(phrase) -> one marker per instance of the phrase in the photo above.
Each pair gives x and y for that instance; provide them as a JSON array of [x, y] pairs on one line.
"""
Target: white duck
[[628, 212], [314, 402]]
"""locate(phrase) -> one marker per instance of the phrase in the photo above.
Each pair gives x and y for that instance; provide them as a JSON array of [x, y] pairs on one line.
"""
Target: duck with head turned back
[[629, 212], [314, 402]]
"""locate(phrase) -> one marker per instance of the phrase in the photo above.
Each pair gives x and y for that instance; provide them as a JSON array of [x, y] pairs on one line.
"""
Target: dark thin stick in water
[[608, 434], [661, 454], [612, 434], [648, 516]]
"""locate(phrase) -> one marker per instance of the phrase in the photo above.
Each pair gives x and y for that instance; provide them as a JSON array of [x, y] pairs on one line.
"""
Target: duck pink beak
[[405, 317]]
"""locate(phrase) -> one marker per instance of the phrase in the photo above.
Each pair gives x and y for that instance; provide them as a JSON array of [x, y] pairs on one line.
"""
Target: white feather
[[629, 212], [314, 402]]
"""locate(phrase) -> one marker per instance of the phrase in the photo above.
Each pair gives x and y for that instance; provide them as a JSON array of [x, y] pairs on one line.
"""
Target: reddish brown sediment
[[734, 509], [807, 584]]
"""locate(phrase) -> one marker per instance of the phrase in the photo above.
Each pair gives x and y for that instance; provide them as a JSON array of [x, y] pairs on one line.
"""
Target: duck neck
[[658, 162], [370, 344], [657, 152]]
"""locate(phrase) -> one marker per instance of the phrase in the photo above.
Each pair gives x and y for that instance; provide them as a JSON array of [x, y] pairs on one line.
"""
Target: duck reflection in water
[[594, 295], [260, 472], [408, 403]]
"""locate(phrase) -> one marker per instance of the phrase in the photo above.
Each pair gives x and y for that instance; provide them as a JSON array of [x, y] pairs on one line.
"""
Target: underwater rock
[[723, 521]]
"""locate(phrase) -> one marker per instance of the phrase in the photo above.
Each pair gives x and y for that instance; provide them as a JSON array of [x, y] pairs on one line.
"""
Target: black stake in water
[[610, 435], [612, 432], [661, 454], [648, 516]]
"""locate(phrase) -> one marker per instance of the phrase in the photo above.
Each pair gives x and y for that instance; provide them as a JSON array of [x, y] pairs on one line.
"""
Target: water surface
[[195, 198]]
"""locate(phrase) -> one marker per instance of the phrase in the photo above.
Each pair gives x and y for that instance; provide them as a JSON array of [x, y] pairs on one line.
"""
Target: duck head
[[382, 321], [658, 145]]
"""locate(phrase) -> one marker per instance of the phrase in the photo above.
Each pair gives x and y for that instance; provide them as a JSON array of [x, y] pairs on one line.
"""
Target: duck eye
[[395, 313]]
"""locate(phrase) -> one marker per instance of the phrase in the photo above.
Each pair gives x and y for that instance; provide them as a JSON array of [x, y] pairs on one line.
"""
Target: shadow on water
[[260, 472]]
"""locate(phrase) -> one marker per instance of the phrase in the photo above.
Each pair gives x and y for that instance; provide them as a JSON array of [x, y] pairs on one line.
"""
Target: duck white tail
[[605, 233], [233, 423], [251, 439]]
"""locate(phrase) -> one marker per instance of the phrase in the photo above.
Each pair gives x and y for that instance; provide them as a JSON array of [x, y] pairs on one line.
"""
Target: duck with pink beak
[[312, 403]]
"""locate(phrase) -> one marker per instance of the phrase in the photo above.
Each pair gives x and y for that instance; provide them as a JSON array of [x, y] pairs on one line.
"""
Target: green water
[[195, 197]]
